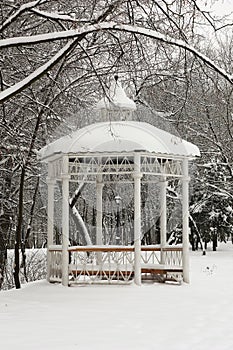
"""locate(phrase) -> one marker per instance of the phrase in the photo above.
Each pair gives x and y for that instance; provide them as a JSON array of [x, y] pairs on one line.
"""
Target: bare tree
[[54, 56]]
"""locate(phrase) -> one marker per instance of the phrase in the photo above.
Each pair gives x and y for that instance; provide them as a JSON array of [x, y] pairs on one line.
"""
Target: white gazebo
[[106, 164]]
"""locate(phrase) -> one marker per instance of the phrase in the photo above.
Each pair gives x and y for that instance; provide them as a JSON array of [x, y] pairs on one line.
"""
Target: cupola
[[116, 105]]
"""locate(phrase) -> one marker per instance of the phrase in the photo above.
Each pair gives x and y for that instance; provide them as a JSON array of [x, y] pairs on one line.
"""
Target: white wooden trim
[[137, 220], [185, 220], [99, 210], [65, 221], [163, 215], [50, 222]]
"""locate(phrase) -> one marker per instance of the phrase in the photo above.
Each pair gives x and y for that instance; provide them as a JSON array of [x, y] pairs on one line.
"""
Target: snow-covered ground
[[154, 316]]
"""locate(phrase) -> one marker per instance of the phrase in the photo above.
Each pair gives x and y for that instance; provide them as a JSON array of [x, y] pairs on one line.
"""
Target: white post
[[99, 216], [163, 217], [99, 210], [185, 220], [137, 219], [50, 223], [65, 221]]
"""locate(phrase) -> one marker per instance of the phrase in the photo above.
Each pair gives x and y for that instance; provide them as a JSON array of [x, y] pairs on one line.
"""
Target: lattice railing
[[150, 255], [101, 264], [173, 256], [110, 264], [55, 263]]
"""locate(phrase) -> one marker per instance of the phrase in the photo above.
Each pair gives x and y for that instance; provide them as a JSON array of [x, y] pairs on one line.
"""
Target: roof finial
[[116, 99]]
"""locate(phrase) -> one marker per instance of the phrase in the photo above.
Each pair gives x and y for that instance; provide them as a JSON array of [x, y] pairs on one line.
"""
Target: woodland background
[[173, 58]]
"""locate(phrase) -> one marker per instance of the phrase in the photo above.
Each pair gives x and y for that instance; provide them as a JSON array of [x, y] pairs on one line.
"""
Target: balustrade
[[111, 264], [56, 263]]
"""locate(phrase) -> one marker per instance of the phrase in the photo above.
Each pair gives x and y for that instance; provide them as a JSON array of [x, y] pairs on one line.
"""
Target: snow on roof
[[121, 136], [116, 98]]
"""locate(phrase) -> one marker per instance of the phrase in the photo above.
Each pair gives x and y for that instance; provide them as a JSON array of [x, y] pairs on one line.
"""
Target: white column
[[65, 222], [137, 220], [185, 220], [99, 216], [50, 222], [163, 217], [99, 210]]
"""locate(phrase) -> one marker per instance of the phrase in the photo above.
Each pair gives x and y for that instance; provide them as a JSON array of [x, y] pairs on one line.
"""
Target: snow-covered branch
[[21, 9], [219, 191], [55, 15], [83, 31], [119, 27], [6, 94]]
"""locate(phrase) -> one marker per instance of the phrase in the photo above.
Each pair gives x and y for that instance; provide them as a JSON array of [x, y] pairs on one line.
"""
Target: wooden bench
[[157, 272], [162, 273]]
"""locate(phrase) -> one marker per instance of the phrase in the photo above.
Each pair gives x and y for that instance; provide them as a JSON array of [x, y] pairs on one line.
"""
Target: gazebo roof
[[121, 136]]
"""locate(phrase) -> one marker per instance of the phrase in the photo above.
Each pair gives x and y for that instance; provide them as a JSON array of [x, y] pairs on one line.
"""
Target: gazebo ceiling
[[120, 136]]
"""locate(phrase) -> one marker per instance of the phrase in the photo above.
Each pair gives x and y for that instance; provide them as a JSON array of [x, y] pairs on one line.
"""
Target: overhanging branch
[[78, 34], [18, 87]]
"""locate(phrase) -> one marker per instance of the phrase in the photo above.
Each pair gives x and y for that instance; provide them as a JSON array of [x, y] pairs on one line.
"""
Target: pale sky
[[217, 7]]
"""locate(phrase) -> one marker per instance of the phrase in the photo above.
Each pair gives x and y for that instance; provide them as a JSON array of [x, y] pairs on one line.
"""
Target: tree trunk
[[4, 227], [18, 234], [215, 242], [199, 238], [29, 227]]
